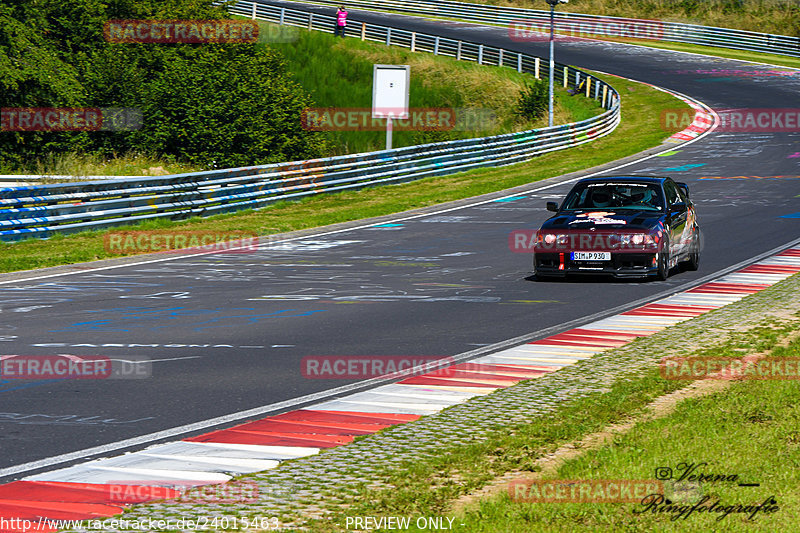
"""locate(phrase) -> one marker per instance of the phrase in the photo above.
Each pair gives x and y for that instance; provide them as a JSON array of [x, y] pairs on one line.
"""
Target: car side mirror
[[678, 207], [684, 188], [552, 206]]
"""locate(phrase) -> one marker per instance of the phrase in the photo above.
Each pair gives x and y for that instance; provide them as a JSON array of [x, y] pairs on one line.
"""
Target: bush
[[533, 100], [211, 105]]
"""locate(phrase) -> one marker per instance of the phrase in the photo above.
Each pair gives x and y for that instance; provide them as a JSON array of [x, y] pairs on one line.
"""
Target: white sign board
[[390, 85]]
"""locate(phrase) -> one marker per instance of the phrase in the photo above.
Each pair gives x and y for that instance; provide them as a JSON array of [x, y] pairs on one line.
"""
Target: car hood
[[604, 219]]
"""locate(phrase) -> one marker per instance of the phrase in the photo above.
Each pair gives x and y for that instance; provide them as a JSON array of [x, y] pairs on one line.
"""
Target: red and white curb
[[104, 487], [704, 120]]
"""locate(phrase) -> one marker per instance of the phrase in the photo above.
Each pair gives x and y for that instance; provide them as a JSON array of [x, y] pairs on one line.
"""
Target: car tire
[[663, 262], [693, 262]]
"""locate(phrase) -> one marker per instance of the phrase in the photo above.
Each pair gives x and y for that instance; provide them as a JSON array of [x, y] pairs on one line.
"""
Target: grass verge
[[749, 430], [640, 129]]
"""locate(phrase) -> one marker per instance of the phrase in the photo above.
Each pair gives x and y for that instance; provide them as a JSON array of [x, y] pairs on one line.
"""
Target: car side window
[[672, 192]]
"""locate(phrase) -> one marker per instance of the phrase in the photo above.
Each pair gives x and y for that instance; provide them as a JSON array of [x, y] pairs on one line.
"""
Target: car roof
[[626, 179]]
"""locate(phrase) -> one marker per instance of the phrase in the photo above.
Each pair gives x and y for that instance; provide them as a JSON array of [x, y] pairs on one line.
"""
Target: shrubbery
[[533, 100], [213, 105]]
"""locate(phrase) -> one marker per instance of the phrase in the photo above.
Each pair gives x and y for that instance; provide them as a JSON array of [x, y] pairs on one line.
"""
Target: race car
[[625, 226]]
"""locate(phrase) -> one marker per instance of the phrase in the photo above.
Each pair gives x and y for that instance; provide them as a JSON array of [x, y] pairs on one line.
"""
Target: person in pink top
[[341, 21]]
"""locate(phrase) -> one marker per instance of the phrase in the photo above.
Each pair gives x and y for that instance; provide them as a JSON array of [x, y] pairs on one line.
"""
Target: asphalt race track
[[227, 332]]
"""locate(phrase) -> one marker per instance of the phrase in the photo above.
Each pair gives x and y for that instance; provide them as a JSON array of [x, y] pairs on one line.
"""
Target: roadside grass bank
[[748, 430], [747, 433], [80, 165], [770, 16], [640, 129], [338, 74]]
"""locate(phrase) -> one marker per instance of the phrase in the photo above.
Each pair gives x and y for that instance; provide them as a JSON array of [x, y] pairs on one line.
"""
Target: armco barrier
[[600, 25], [44, 210]]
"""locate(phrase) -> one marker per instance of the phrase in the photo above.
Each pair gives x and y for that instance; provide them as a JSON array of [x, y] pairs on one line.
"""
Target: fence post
[[519, 62], [310, 21], [500, 58], [363, 31], [605, 93], [480, 54], [413, 40], [536, 68], [458, 52], [436, 46], [283, 12], [588, 86], [388, 36], [254, 11], [566, 76]]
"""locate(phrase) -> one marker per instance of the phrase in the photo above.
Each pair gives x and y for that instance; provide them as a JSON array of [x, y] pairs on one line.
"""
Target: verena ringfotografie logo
[[583, 491], [533, 241], [136, 242], [39, 367], [419, 119], [70, 119], [567, 29], [726, 368], [181, 31], [366, 367], [745, 120]]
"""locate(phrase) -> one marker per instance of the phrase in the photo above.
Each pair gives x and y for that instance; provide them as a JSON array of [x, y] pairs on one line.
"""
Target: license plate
[[591, 256]]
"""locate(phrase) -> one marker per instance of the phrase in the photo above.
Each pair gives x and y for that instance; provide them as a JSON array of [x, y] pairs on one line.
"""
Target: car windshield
[[641, 196]]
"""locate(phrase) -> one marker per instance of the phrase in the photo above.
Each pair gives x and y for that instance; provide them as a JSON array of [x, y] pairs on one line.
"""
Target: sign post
[[390, 88]]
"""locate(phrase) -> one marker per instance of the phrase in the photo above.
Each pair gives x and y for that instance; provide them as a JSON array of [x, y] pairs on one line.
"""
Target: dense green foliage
[[533, 100], [212, 105]]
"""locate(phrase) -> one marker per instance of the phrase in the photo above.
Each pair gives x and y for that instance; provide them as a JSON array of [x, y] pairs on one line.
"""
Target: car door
[[677, 217]]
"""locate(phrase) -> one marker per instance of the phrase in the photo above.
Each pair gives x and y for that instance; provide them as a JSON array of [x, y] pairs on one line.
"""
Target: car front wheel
[[693, 262], [663, 262]]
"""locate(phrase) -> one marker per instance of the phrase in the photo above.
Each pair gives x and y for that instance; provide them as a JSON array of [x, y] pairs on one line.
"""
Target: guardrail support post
[[605, 93], [283, 13], [458, 52], [500, 58], [566, 76], [413, 40], [519, 62], [588, 86], [596, 89], [480, 54], [253, 16], [363, 31], [536, 68], [388, 36], [310, 21], [436, 46]]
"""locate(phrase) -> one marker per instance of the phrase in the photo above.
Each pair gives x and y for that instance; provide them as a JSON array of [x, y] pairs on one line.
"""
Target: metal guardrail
[[578, 23], [45, 210]]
